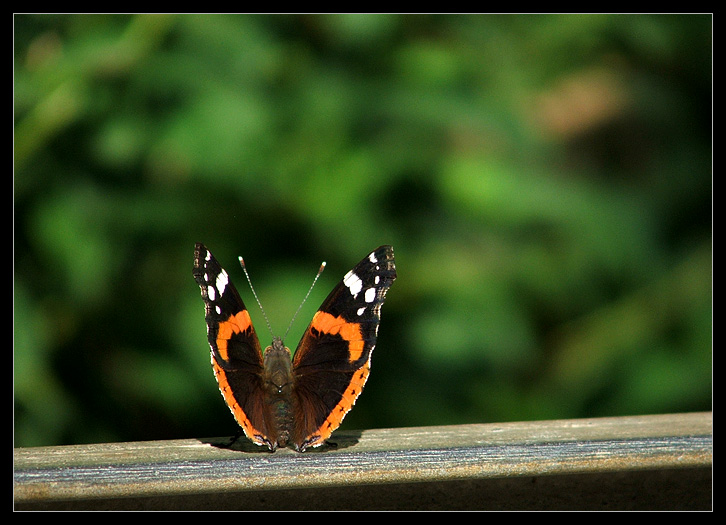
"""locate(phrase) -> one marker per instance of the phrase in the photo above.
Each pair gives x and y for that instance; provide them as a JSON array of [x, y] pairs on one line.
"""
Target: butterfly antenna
[[269, 327], [322, 267]]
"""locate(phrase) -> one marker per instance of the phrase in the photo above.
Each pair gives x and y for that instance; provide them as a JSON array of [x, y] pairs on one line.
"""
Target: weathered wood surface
[[657, 461]]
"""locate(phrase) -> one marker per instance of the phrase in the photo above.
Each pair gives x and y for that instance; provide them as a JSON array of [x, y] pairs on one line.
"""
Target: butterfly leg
[[233, 439]]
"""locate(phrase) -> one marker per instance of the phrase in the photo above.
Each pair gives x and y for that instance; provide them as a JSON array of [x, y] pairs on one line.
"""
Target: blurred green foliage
[[545, 181]]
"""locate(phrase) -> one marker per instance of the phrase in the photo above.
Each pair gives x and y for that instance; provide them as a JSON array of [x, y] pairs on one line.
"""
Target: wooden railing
[[638, 462]]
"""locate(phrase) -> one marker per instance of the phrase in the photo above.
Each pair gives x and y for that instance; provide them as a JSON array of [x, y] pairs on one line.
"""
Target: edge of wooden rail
[[371, 457]]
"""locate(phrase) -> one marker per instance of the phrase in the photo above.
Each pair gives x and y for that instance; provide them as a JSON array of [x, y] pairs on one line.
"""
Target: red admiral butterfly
[[281, 400]]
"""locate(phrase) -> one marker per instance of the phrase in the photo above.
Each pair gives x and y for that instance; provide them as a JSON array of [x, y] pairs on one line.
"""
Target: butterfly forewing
[[332, 361], [235, 349]]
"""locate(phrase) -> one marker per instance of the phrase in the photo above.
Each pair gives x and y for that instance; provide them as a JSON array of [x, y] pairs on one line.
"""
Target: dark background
[[545, 181]]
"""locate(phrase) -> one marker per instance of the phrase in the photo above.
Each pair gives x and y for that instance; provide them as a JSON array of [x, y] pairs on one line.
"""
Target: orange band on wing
[[234, 325], [329, 324]]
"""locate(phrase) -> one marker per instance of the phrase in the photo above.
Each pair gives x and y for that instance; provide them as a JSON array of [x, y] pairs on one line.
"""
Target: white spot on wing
[[370, 295], [372, 258], [211, 293], [361, 311], [353, 282], [222, 280]]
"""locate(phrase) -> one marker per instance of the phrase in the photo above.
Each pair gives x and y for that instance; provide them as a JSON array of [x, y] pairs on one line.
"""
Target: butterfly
[[282, 399]]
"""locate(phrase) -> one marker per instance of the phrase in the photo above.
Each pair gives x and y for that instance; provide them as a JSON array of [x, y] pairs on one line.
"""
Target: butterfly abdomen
[[278, 389]]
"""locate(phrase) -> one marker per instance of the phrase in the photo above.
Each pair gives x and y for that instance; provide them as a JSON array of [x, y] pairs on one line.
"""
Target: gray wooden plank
[[395, 457]]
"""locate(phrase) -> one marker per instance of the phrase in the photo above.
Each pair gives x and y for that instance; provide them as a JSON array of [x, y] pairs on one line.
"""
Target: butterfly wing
[[332, 361], [236, 352]]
